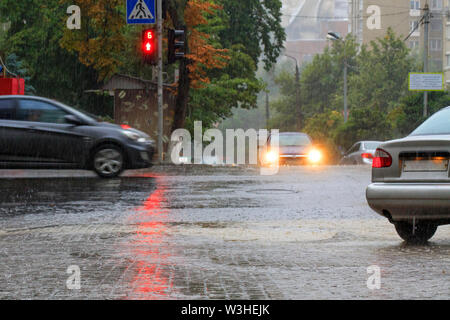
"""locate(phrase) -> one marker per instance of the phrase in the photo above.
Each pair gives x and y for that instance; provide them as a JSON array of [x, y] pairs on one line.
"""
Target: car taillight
[[382, 159], [367, 156]]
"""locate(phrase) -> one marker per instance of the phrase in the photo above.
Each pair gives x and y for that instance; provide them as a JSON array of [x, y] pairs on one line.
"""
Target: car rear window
[[371, 145], [439, 123], [6, 109]]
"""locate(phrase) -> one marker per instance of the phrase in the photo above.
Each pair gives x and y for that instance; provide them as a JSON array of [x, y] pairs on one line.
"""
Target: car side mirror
[[71, 119]]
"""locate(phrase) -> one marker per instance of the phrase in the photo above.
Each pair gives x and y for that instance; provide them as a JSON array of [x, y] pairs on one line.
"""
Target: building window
[[437, 64], [413, 25], [448, 60], [436, 25], [435, 44], [448, 32], [436, 4], [413, 44], [415, 4]]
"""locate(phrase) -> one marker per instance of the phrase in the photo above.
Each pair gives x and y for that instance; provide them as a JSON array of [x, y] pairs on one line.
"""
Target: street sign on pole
[[422, 81], [141, 12]]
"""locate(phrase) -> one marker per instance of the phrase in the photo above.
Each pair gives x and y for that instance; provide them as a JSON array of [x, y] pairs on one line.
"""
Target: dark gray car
[[411, 179], [41, 133]]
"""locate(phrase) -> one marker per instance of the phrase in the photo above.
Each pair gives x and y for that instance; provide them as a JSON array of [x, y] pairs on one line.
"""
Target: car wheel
[[423, 232], [108, 161]]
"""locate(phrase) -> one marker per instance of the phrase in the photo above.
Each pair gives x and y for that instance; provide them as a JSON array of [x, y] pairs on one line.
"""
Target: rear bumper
[[398, 201], [140, 156]]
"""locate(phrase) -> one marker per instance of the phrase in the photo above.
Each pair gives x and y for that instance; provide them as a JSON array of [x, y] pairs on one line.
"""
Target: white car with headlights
[[290, 148]]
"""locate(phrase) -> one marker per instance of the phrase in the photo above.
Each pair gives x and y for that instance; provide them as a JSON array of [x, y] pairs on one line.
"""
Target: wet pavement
[[207, 233]]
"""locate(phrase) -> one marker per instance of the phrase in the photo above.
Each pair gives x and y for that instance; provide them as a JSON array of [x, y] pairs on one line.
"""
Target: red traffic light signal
[[150, 46]]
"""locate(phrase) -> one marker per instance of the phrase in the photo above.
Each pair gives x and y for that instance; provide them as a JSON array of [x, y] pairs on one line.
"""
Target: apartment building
[[307, 23], [370, 19], [446, 41]]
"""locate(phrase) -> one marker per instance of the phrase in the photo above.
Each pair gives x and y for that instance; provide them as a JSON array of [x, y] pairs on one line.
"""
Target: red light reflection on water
[[150, 249]]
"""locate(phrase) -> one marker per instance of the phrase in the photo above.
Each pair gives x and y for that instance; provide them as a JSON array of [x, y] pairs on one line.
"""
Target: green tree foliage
[[322, 79], [36, 28], [17, 68], [257, 25], [321, 83], [380, 105], [408, 114], [376, 88], [287, 114], [235, 86], [63, 64], [100, 40], [382, 76]]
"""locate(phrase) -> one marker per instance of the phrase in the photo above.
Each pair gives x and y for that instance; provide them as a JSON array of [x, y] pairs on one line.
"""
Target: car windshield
[[439, 123], [294, 140]]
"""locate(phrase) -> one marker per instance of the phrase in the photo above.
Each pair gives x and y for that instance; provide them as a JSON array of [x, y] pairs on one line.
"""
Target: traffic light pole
[[160, 83]]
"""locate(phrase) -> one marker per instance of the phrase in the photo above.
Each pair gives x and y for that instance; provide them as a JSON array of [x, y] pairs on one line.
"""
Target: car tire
[[108, 161], [424, 231]]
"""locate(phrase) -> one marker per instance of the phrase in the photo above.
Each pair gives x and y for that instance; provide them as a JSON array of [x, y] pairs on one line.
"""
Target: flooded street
[[208, 233]]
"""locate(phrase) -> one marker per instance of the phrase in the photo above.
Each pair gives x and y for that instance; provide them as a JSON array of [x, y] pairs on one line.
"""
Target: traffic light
[[150, 46], [177, 45]]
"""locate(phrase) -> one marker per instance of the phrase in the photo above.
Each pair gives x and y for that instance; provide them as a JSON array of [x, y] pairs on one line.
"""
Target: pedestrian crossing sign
[[141, 12]]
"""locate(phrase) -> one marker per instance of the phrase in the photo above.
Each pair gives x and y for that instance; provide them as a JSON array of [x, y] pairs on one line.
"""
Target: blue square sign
[[141, 12]]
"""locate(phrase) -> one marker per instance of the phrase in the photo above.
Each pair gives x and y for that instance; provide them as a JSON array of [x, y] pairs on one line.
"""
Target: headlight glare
[[315, 156], [272, 156]]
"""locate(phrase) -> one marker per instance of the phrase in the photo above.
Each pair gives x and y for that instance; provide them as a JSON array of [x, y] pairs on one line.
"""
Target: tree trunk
[[176, 10], [182, 97]]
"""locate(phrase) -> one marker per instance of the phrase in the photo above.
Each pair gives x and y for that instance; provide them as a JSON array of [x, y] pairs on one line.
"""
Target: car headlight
[[314, 156], [135, 136], [132, 135], [272, 156]]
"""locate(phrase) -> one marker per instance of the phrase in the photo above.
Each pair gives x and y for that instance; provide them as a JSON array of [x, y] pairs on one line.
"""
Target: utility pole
[[333, 36], [425, 55], [160, 83], [267, 110], [297, 92], [345, 90], [297, 87]]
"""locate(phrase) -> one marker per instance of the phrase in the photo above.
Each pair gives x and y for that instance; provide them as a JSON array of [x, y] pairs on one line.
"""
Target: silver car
[[411, 180], [361, 153]]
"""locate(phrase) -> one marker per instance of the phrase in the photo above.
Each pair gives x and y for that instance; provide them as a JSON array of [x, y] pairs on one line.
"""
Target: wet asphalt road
[[208, 233]]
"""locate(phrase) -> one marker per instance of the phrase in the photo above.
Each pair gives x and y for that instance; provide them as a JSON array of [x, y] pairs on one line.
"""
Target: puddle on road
[[348, 232], [115, 230], [23, 191], [272, 191]]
